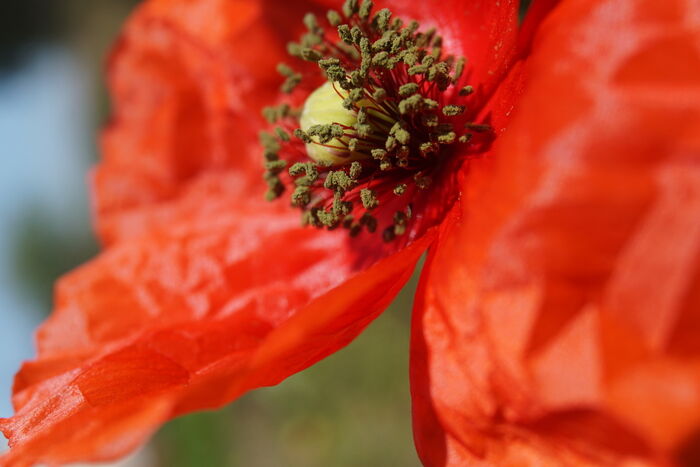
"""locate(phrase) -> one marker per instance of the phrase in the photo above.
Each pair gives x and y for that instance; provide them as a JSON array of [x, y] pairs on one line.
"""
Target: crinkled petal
[[229, 297], [188, 80], [557, 321]]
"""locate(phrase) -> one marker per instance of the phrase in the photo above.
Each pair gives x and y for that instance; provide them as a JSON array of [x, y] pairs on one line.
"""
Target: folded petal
[[499, 101], [228, 297], [537, 11], [557, 320]]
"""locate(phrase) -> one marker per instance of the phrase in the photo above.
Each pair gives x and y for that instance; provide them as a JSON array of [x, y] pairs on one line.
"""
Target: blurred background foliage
[[351, 409]]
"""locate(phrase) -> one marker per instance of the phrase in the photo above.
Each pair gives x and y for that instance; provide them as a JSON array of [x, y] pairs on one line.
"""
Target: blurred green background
[[353, 409]]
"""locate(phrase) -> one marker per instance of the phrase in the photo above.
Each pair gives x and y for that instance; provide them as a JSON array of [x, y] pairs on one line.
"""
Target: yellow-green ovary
[[324, 106]]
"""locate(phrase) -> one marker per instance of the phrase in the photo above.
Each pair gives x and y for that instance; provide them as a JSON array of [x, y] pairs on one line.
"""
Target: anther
[[459, 69], [422, 181], [281, 134], [453, 110], [428, 148], [379, 94], [369, 221], [418, 69], [356, 34], [400, 189], [311, 23], [270, 145], [399, 132], [369, 199], [334, 18], [447, 138], [301, 196], [388, 234], [301, 134], [365, 9], [275, 167], [344, 33], [294, 49], [466, 90], [381, 20], [479, 128], [355, 170], [350, 7], [408, 89], [379, 154], [311, 55], [397, 24]]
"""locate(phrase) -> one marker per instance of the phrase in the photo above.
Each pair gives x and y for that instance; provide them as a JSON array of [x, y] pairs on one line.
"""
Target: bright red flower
[[558, 317]]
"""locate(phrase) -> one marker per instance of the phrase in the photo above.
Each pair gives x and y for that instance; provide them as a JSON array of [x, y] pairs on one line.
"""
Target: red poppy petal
[[502, 102], [536, 13], [557, 321], [188, 80], [501, 105], [229, 297]]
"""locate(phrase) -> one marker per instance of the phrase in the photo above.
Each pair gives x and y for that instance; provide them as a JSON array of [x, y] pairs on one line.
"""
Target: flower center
[[324, 113], [372, 139]]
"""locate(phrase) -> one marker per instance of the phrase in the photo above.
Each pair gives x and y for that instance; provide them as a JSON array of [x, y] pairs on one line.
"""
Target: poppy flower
[[553, 177]]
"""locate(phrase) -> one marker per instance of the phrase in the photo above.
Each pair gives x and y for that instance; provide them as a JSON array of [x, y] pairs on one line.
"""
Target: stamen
[[293, 78], [408, 89], [374, 136], [369, 199], [400, 189], [365, 9], [350, 8], [466, 90], [453, 110], [381, 20]]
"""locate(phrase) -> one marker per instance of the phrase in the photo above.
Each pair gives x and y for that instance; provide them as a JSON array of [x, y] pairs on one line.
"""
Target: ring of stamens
[[407, 109]]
